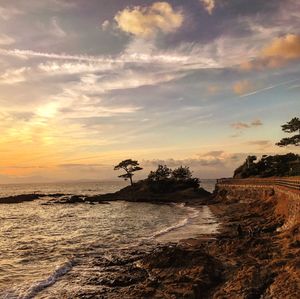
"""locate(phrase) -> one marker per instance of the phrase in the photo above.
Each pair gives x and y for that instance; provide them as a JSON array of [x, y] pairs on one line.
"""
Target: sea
[[40, 244]]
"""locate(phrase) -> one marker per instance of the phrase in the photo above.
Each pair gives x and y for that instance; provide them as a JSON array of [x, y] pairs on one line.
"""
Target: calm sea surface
[[85, 188], [39, 243]]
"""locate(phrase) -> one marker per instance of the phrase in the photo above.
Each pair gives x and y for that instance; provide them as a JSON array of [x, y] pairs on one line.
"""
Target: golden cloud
[[209, 5], [287, 47], [213, 89], [279, 52], [242, 87], [146, 22]]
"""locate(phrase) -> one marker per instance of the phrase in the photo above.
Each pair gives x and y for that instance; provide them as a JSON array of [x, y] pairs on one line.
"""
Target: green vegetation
[[163, 172], [291, 127], [129, 166], [164, 179], [160, 174], [182, 173], [268, 166]]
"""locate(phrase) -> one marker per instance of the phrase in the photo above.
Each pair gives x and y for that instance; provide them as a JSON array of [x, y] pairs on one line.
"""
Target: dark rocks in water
[[162, 272], [77, 199], [20, 198], [30, 197], [55, 195], [71, 199]]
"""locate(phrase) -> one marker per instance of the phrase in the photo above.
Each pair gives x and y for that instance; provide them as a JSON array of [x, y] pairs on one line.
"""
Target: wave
[[193, 213], [39, 286]]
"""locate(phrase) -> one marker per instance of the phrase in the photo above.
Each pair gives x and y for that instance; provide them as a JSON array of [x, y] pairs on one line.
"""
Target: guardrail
[[291, 182]]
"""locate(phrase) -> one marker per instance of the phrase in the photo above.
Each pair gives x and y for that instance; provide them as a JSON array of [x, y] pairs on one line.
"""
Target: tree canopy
[[182, 173], [291, 127], [161, 173], [267, 166], [129, 166], [164, 179]]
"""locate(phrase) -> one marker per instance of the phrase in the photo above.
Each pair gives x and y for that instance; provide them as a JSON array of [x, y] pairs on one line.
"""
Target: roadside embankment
[[285, 192]]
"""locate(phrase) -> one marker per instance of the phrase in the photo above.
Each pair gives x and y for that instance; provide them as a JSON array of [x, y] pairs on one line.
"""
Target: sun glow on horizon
[[148, 82]]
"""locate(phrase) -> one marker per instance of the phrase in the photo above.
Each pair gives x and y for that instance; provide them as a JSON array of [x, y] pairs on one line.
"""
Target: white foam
[[34, 289], [192, 214]]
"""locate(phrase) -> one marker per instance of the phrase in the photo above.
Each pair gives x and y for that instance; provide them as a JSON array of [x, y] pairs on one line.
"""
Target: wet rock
[[20, 198]]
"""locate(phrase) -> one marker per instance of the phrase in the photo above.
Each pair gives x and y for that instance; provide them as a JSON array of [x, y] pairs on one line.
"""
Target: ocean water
[[79, 188], [40, 244], [208, 184], [85, 188]]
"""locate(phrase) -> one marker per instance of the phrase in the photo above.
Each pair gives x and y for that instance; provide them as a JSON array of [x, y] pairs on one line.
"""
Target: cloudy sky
[[85, 84]]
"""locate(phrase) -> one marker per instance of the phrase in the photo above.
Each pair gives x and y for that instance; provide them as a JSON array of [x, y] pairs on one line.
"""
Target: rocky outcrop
[[142, 191]]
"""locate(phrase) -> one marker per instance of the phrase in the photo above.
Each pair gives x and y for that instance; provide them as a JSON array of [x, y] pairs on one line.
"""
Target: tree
[[291, 127], [247, 169], [130, 166], [250, 160], [182, 173], [161, 173]]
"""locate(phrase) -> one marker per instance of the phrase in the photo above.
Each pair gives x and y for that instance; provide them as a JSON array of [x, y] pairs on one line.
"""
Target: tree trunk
[[131, 180]]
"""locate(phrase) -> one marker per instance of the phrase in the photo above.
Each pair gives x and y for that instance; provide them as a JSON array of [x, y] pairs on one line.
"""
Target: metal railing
[[290, 182]]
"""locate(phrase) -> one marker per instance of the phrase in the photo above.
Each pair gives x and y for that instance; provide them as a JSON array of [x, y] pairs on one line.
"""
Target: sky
[[86, 84]]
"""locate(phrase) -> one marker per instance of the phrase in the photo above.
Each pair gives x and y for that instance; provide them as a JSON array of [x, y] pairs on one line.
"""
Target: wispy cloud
[[8, 13], [13, 76], [55, 28], [260, 144], [245, 125], [6, 40]]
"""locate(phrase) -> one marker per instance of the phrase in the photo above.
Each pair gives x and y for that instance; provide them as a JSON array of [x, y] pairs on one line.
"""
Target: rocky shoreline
[[250, 258]]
